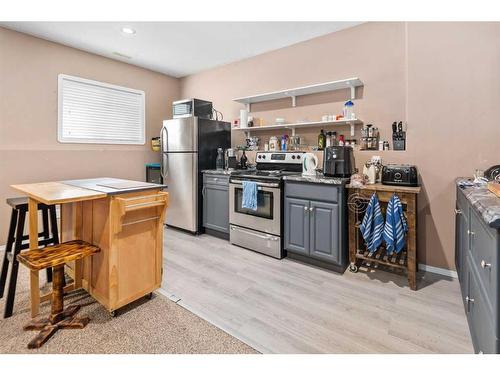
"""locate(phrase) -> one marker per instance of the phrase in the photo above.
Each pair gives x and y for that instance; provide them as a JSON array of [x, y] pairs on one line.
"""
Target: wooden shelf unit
[[406, 260]]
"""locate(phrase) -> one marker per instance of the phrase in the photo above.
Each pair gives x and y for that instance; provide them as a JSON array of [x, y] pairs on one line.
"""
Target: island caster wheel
[[353, 268], [113, 313], [149, 296]]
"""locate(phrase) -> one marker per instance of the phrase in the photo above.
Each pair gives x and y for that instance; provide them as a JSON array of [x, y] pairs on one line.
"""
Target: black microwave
[[192, 107]]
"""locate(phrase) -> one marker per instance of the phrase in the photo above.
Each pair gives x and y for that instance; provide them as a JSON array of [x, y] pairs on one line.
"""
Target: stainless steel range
[[261, 230]]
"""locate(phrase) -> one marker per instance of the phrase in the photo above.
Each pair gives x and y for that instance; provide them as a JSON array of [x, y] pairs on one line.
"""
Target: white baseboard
[[439, 271], [2, 247]]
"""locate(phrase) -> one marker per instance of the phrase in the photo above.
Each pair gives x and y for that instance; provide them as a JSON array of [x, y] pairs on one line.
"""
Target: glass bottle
[[243, 161], [328, 139], [348, 110], [219, 162], [321, 140]]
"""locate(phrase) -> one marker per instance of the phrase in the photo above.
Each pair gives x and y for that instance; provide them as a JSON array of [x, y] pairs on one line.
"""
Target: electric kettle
[[309, 164]]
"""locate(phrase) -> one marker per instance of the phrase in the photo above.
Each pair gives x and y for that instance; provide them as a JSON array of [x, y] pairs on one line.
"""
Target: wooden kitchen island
[[123, 218]]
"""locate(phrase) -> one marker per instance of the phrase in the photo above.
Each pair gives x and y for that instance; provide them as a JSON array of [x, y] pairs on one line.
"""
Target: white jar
[[243, 118]]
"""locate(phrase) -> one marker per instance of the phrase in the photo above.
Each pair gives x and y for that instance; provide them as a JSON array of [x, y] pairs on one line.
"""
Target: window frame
[[60, 96]]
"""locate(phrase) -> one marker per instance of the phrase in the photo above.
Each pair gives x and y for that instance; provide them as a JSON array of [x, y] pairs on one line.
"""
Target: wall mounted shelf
[[296, 125], [350, 83]]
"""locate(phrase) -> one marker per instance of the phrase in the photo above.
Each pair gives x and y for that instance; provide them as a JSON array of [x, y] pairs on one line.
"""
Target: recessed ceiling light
[[128, 30]]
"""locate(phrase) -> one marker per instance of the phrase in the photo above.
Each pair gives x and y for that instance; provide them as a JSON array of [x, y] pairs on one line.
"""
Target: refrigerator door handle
[[164, 166], [164, 139]]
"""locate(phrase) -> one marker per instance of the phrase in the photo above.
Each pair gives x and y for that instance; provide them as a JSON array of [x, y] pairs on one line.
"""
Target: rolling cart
[[406, 260]]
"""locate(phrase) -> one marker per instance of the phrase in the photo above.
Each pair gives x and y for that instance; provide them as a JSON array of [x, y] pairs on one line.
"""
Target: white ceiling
[[178, 48]]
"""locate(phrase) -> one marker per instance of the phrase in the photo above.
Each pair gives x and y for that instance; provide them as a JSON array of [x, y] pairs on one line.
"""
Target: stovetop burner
[[262, 174], [273, 166]]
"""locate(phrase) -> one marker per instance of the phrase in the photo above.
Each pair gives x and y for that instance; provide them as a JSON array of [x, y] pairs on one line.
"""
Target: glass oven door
[[264, 203], [267, 216]]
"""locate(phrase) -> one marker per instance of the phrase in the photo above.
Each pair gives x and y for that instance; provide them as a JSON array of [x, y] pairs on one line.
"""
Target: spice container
[[273, 144]]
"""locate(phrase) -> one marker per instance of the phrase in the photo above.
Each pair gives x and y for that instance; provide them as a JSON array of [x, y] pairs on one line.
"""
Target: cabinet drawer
[[313, 191], [462, 202], [484, 259], [211, 179], [481, 325]]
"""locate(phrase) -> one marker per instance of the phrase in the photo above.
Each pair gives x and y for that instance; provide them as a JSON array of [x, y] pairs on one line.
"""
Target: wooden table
[[104, 230], [407, 259]]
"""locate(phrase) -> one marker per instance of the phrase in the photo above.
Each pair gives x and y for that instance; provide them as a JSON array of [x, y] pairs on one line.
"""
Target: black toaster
[[399, 174]]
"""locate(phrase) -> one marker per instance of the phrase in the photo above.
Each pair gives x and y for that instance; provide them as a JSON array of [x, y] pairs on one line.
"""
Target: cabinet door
[[480, 322], [216, 208], [484, 259], [297, 225], [325, 231]]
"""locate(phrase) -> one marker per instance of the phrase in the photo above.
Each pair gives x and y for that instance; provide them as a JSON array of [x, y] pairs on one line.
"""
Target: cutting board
[[494, 187]]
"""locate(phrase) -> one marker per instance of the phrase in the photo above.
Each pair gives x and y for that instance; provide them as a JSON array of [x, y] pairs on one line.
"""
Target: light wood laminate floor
[[283, 306]]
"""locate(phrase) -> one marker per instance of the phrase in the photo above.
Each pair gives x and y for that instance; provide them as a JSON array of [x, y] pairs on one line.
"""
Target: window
[[96, 112]]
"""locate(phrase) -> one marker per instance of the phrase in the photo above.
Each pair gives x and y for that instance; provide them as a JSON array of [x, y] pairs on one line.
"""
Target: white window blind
[[96, 112]]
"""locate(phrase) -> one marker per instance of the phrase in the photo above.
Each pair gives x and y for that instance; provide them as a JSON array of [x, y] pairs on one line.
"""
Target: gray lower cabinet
[[314, 223], [216, 203], [477, 262]]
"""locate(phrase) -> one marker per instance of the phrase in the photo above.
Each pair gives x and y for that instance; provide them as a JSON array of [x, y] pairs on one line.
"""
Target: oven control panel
[[279, 157]]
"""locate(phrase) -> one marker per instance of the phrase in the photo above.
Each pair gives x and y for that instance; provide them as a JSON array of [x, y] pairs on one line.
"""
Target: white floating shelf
[[296, 125], [350, 83]]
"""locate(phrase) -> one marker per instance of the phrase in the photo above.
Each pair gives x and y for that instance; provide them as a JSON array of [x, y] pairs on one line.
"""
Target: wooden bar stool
[[18, 241], [56, 256]]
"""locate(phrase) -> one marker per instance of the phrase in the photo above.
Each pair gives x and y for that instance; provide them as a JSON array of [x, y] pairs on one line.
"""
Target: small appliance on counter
[[192, 107], [400, 175], [309, 164], [231, 161], [338, 161]]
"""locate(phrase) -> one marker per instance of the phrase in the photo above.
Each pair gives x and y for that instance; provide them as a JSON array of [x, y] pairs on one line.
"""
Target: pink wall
[[29, 151], [443, 78]]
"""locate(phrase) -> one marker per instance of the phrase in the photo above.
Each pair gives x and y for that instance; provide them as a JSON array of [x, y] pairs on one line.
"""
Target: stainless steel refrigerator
[[188, 146]]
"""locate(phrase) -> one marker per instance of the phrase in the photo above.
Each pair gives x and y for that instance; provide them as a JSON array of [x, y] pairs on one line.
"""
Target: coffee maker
[[231, 161], [338, 161]]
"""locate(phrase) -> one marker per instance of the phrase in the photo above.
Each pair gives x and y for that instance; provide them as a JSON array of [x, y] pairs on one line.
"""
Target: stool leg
[[8, 249], [33, 245], [53, 224], [9, 305], [45, 233], [54, 231], [57, 307]]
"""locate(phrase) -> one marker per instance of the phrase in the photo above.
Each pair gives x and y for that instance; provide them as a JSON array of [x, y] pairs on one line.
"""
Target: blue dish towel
[[372, 225], [249, 200], [395, 226]]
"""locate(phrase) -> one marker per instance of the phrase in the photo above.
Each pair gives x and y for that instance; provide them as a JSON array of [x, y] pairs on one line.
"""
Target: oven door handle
[[266, 237], [262, 184]]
